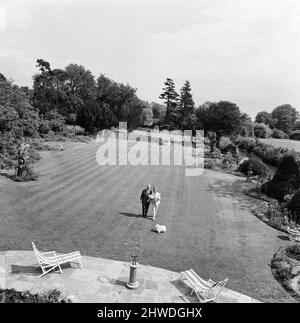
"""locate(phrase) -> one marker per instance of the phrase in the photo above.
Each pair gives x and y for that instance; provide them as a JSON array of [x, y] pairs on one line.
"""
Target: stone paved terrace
[[101, 280]]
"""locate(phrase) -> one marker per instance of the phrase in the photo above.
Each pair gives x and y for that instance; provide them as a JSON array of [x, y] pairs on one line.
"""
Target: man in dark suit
[[145, 200]]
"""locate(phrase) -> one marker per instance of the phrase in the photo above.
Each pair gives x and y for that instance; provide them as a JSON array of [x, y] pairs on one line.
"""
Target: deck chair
[[206, 290], [50, 260]]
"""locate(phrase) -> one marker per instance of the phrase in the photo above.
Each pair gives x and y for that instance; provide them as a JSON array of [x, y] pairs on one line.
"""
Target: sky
[[244, 51]]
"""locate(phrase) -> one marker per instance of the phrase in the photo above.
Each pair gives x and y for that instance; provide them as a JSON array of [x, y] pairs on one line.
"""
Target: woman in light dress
[[155, 201]]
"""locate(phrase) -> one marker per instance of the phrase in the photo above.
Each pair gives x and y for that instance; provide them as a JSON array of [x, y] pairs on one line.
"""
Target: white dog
[[160, 228]]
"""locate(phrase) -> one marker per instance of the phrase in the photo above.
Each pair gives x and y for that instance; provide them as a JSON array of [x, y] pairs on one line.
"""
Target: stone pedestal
[[133, 283]]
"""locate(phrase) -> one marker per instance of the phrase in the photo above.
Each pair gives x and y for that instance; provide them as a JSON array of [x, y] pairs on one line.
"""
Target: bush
[[44, 127], [216, 154], [228, 158], [294, 206], [231, 148], [279, 134], [224, 141], [295, 135], [29, 174], [262, 131], [286, 179], [13, 296], [257, 166], [246, 144], [210, 163], [293, 252], [267, 153]]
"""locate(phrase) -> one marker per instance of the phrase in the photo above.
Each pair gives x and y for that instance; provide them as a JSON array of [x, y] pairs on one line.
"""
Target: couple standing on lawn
[[148, 197]]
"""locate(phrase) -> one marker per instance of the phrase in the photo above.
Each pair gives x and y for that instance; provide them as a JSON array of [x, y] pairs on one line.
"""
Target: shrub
[[44, 127], [210, 163], [257, 166], [286, 179], [29, 174], [262, 131], [231, 148], [294, 252], [279, 134], [246, 144], [216, 154], [13, 296], [294, 206], [56, 125], [228, 158], [224, 141], [295, 135]]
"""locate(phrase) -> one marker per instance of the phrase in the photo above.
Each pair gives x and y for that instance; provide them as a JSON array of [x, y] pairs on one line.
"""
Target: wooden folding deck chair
[[50, 260], [206, 290]]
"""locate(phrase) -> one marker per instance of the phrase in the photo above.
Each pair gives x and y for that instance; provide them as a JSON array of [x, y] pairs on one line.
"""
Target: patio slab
[[102, 280]]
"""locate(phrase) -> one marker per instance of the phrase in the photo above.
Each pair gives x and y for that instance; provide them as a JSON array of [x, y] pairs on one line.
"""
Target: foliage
[[295, 135], [170, 97], [186, 104], [228, 158], [13, 296], [216, 154], [264, 117], [284, 117], [294, 206], [230, 148], [29, 174], [225, 141], [286, 179], [223, 118], [275, 214], [256, 165], [282, 265], [293, 252], [114, 102], [278, 134], [262, 131], [247, 129], [267, 153]]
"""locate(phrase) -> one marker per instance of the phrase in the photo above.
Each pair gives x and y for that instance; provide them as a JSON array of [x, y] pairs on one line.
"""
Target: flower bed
[[13, 296], [285, 267], [275, 214]]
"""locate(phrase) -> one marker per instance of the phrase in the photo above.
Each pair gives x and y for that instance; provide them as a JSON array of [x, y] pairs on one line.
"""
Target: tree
[[262, 131], [186, 105], [147, 116], [158, 110], [264, 117], [224, 118], [170, 96], [286, 179], [284, 117], [247, 126], [80, 87]]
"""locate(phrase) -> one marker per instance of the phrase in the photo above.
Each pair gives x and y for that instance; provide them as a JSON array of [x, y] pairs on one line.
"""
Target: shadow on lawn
[[7, 175], [285, 238], [236, 191], [131, 215]]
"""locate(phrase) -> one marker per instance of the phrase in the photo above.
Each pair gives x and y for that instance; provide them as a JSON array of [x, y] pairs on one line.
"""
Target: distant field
[[291, 144]]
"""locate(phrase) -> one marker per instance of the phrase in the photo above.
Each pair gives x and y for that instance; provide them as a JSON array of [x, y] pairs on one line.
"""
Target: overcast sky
[[245, 51]]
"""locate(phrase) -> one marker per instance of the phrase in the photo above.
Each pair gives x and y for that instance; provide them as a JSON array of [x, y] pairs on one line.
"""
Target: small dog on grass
[[159, 228]]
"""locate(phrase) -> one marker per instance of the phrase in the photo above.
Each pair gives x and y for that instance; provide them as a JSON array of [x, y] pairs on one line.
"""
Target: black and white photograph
[[149, 153]]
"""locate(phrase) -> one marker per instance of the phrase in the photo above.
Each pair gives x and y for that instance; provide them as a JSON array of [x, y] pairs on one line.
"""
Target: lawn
[[78, 205], [285, 143]]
